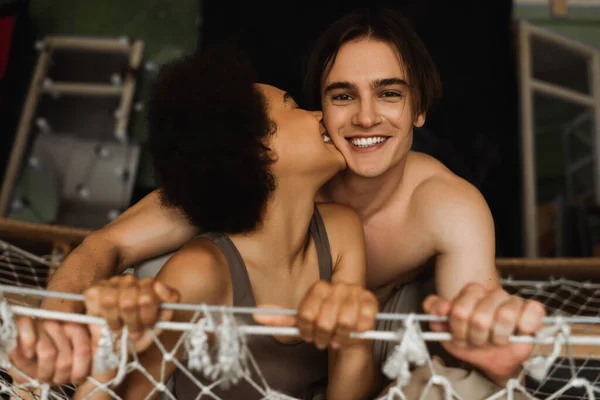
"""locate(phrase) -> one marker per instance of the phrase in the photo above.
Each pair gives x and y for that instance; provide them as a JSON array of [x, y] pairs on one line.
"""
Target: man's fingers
[[64, 354], [460, 313], [25, 366], [506, 318], [27, 337], [530, 320], [46, 357], [435, 305], [429, 304], [82, 351], [482, 324], [23, 356]]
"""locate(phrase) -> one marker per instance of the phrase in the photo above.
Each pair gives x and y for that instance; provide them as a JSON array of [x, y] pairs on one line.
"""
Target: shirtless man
[[375, 81]]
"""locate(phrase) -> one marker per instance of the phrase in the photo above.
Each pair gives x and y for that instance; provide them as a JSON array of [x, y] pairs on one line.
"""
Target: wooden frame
[[574, 3], [39, 85], [22, 135], [580, 269], [110, 45], [528, 86], [542, 268], [10, 229], [59, 239], [81, 89], [135, 62]]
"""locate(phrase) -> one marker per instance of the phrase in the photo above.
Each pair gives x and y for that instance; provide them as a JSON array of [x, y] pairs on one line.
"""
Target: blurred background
[[518, 118]]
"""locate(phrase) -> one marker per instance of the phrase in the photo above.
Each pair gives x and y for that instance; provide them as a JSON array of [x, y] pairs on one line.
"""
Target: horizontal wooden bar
[[573, 268], [117, 45], [20, 230], [82, 89]]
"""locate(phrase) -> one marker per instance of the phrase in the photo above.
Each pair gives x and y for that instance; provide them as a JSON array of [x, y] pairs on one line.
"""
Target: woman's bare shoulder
[[199, 271]]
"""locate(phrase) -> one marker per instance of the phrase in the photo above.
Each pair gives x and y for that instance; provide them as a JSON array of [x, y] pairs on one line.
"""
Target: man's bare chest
[[396, 247]]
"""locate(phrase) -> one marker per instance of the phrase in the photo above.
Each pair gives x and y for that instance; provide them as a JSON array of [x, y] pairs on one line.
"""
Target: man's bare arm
[[460, 223], [481, 314], [145, 230]]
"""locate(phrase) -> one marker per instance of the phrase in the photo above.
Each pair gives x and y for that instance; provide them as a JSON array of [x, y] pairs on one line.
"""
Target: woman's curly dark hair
[[208, 128]]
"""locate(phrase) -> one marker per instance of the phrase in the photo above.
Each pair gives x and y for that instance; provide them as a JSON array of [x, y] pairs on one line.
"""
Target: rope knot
[[580, 382], [197, 349], [410, 350], [8, 332], [105, 358], [537, 367], [443, 382], [232, 351]]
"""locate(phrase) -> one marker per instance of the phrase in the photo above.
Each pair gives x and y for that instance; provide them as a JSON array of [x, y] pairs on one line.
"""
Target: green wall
[[169, 29], [580, 24]]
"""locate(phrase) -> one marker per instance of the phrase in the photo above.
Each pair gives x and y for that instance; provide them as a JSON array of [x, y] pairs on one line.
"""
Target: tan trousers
[[467, 384]]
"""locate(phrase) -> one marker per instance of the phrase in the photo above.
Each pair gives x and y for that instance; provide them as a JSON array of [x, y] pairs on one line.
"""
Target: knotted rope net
[[563, 365]]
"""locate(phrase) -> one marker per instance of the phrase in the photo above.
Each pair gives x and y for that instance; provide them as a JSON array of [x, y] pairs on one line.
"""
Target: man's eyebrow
[[389, 82], [340, 85], [375, 84]]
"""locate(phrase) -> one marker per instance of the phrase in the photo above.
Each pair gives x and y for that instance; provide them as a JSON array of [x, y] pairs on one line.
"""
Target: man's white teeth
[[326, 138], [367, 142]]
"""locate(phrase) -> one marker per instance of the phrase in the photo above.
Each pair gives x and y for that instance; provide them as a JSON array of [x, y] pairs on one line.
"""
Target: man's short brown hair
[[378, 24]]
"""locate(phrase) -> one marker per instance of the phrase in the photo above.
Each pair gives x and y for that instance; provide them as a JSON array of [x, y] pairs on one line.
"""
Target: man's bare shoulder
[[199, 271], [338, 216], [444, 200], [435, 183]]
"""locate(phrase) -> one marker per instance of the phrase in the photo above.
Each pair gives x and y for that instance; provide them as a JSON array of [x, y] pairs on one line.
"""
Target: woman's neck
[[282, 237]]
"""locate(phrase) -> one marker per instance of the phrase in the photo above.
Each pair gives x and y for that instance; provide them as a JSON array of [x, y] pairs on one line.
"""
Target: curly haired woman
[[244, 162]]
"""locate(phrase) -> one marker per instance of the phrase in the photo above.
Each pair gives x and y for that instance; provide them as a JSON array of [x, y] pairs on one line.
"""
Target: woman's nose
[[318, 115]]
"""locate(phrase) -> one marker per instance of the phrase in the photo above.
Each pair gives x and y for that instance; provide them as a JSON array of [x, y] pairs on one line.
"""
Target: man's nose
[[366, 115]]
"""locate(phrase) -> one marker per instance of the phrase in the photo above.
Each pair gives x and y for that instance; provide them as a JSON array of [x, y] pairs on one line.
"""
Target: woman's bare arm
[[352, 370], [330, 311], [199, 274]]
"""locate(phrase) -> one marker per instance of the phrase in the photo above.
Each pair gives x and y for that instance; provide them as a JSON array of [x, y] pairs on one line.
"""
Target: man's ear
[[420, 120]]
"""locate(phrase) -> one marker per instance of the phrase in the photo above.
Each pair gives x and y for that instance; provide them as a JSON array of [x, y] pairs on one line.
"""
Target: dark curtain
[[473, 130]]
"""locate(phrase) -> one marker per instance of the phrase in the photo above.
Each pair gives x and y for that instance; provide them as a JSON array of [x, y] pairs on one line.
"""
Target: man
[[375, 81]]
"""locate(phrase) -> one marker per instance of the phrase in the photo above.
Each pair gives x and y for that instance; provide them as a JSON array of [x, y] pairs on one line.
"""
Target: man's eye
[[341, 97]]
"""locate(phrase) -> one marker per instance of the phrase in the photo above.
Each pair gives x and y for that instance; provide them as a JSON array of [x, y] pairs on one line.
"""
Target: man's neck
[[366, 195], [282, 237]]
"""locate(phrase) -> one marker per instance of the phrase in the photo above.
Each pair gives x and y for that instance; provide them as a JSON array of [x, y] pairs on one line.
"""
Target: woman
[[246, 162]]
